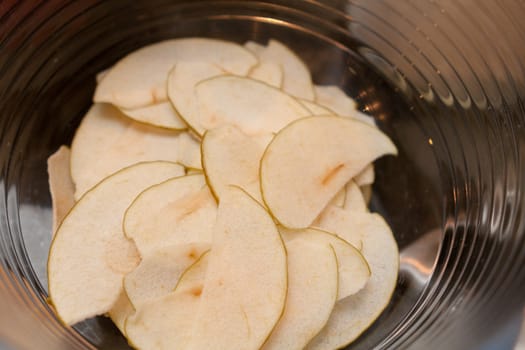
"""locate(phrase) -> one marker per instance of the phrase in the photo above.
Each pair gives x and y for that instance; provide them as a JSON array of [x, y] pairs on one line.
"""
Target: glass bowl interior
[[451, 196]]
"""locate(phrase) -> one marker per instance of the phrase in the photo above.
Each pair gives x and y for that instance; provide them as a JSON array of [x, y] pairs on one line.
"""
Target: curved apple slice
[[107, 141], [316, 109], [339, 199], [139, 79], [310, 160], [366, 176], [182, 80], [166, 322], [267, 72], [190, 151], [161, 115], [354, 271], [177, 211], [353, 315], [354, 199], [252, 106], [230, 157], [159, 272], [120, 311], [296, 76], [312, 293], [333, 98], [337, 220], [246, 283], [61, 185], [90, 255]]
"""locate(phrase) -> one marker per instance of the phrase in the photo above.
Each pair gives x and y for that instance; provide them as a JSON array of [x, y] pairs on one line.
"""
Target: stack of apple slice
[[217, 198]]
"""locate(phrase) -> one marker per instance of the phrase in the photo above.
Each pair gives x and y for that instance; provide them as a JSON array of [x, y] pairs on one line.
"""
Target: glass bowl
[[445, 80]]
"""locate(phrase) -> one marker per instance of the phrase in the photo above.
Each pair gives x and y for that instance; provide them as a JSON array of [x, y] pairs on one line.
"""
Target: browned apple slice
[[310, 160], [90, 255]]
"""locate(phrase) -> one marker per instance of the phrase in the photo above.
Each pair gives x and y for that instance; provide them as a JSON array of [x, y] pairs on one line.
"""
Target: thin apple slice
[[354, 199], [354, 271], [254, 47], [230, 157], [312, 293], [120, 311], [252, 106], [246, 283], [158, 273], [310, 160], [190, 151], [90, 255], [61, 185], [160, 114], [366, 176], [166, 322], [267, 72], [139, 79], [337, 220], [178, 211], [339, 198], [316, 109], [181, 84], [353, 315], [107, 141], [296, 78], [333, 98]]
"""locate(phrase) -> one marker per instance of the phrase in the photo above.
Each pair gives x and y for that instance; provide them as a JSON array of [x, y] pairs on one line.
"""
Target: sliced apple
[[246, 283], [90, 254], [139, 79], [252, 106], [354, 271], [312, 293], [339, 198], [107, 141], [316, 109], [354, 199], [366, 176], [61, 185], [158, 273], [195, 274], [310, 160], [100, 75], [267, 72], [254, 47], [230, 157], [296, 76], [178, 211], [160, 114], [190, 151], [333, 98], [120, 311], [337, 220], [181, 85], [353, 315]]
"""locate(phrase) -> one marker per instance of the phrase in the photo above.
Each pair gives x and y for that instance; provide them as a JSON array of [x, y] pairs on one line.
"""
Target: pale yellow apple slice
[[312, 293], [252, 106], [160, 114], [339, 199], [181, 84], [333, 98], [190, 151], [316, 109], [158, 273], [120, 311], [107, 141], [296, 76], [166, 322], [354, 271], [366, 176], [353, 315], [178, 211], [90, 254], [254, 47], [246, 283], [61, 185], [354, 199], [310, 160], [337, 220], [230, 157], [139, 79], [267, 72]]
